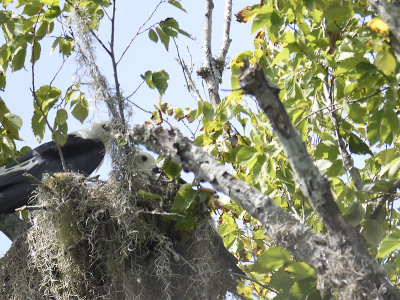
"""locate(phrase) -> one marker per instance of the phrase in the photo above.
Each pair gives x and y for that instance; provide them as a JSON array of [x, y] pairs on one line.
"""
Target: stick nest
[[99, 240]]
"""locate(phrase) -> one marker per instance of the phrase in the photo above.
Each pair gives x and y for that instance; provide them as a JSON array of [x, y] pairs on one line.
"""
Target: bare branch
[[119, 99], [226, 40], [209, 71], [191, 85], [139, 30], [101, 42]]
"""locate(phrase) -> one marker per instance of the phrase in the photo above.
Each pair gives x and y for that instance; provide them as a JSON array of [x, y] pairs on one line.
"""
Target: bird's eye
[[144, 158], [106, 127]]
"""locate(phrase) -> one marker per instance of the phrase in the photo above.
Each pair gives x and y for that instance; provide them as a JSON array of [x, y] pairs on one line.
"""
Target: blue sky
[[143, 55]]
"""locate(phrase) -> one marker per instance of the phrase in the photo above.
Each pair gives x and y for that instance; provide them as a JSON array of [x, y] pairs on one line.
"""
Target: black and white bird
[[83, 152]]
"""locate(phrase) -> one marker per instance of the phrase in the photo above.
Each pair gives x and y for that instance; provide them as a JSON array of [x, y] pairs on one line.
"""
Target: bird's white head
[[144, 161], [99, 130]]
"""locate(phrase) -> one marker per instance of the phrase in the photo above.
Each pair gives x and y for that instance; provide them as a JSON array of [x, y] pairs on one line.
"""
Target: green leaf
[[163, 37], [227, 228], [323, 165], [355, 213], [345, 55], [15, 120], [47, 96], [208, 111], [51, 13], [184, 198], [283, 54], [385, 62], [185, 223], [36, 52], [65, 47], [172, 169], [153, 35], [60, 127], [281, 280], [61, 116], [394, 169], [176, 4], [300, 270], [373, 232], [32, 9], [147, 196], [170, 27], [389, 244], [4, 16], [357, 146], [81, 107], [38, 126], [303, 288], [50, 2], [18, 58], [260, 21], [246, 153], [160, 80], [270, 260]]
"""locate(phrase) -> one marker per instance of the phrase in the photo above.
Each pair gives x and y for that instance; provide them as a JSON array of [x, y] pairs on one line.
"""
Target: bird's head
[[99, 130], [144, 161]]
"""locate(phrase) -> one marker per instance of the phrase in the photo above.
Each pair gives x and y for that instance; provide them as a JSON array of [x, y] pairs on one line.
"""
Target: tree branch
[[342, 235], [39, 105], [12, 226], [209, 71], [226, 40], [280, 226], [139, 32], [119, 99]]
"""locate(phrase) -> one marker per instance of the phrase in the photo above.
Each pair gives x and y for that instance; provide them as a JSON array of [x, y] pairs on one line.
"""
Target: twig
[[192, 83], [181, 63], [100, 42], [138, 32], [141, 108], [385, 198], [134, 92], [64, 165], [115, 69], [339, 105]]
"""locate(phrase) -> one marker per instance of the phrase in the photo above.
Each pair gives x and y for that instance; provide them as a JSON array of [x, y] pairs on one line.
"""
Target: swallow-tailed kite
[[83, 152]]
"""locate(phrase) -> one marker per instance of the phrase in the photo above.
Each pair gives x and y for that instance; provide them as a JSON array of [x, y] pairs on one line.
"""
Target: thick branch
[[281, 227], [11, 226], [312, 183]]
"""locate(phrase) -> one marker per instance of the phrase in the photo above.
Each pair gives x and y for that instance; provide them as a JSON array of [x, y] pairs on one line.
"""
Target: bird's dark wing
[[81, 155]]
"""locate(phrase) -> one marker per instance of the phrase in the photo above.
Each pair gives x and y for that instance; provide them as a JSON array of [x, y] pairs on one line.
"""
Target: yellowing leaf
[[378, 25], [247, 290], [385, 62], [244, 15]]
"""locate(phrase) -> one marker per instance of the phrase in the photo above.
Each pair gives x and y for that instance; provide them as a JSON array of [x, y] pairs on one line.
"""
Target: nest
[[99, 240]]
